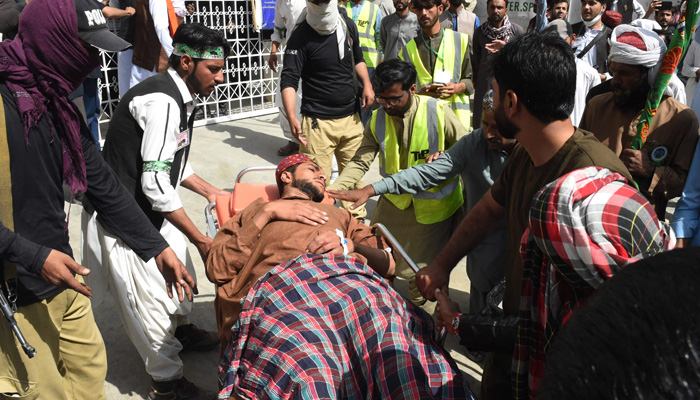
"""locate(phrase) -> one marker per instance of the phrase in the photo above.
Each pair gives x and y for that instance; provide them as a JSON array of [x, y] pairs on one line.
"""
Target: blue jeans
[[365, 115], [91, 99]]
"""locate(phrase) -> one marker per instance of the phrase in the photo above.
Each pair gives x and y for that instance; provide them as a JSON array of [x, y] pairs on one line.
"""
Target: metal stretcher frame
[[440, 336]]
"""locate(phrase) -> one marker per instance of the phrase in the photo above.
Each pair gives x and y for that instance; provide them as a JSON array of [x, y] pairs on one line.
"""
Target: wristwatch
[[455, 324]]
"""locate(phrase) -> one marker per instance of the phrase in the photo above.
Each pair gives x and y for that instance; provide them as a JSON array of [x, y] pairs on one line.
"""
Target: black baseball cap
[[92, 27]]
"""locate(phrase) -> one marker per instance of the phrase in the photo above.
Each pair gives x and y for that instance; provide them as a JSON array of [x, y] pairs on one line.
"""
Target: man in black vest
[[147, 145]]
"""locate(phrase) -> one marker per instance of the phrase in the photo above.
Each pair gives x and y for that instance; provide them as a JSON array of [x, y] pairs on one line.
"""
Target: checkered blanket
[[584, 227], [324, 327]]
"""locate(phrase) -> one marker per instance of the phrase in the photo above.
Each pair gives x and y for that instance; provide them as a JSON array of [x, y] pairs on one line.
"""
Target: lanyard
[[440, 57], [355, 17]]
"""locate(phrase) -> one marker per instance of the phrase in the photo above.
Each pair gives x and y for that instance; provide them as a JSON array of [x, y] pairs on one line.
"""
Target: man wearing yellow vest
[[441, 59], [367, 16], [404, 131]]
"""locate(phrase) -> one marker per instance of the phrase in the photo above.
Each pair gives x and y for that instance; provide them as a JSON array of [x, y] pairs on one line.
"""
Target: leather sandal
[[288, 150]]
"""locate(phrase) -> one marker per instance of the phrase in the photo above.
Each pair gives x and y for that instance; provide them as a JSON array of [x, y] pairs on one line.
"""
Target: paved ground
[[219, 152]]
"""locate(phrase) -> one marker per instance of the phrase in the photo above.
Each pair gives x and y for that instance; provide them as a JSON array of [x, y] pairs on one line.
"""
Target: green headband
[[209, 53]]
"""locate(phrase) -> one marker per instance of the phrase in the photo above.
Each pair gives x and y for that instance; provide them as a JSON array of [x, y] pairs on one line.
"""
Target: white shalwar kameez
[[149, 315]]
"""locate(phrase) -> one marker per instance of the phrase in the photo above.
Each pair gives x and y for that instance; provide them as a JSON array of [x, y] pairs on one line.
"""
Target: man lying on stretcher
[[266, 234], [318, 325]]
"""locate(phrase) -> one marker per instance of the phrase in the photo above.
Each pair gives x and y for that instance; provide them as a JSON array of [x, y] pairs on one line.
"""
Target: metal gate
[[249, 84]]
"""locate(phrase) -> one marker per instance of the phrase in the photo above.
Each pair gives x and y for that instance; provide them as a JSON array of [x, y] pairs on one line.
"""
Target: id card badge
[[442, 76], [183, 139]]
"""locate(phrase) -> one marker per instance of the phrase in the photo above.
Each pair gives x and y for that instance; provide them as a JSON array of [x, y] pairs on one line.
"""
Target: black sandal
[[288, 150]]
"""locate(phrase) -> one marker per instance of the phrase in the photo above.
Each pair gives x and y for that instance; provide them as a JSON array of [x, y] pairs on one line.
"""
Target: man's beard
[[197, 85], [495, 18], [400, 112], [455, 3], [309, 189], [400, 6], [506, 128], [394, 112], [630, 99], [429, 24]]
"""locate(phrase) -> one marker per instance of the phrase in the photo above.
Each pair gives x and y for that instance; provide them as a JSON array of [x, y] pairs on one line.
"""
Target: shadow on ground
[[252, 141], [126, 371]]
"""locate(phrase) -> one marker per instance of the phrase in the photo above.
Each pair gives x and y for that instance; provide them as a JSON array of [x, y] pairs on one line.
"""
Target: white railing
[[249, 84]]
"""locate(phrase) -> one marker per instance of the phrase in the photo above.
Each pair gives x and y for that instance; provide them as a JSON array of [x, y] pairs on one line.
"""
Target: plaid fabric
[[584, 227], [324, 327]]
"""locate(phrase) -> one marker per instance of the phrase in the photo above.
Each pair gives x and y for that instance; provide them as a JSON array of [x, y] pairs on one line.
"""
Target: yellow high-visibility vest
[[454, 46], [433, 205], [365, 28]]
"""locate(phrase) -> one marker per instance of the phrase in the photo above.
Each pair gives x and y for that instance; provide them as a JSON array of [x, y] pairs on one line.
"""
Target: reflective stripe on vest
[[455, 49], [381, 128], [436, 204], [368, 42], [457, 63]]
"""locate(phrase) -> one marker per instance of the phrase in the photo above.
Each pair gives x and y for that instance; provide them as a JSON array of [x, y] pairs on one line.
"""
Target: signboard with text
[[521, 11], [268, 14]]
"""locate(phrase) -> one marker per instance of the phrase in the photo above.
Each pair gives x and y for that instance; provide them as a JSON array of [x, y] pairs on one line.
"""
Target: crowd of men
[[513, 147]]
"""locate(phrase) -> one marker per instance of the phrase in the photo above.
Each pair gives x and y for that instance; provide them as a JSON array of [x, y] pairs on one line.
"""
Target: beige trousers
[[340, 137], [70, 361], [421, 242]]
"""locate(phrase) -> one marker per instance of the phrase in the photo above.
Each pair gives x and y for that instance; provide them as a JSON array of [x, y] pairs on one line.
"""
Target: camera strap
[[600, 36]]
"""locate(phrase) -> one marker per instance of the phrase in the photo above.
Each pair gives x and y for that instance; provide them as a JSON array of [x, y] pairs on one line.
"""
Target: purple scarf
[[41, 67]]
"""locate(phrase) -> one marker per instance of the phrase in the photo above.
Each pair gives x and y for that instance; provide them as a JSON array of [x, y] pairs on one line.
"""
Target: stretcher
[[227, 205], [244, 193], [324, 327]]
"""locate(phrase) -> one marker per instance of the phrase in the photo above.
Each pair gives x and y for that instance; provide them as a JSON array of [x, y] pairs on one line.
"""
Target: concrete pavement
[[218, 153]]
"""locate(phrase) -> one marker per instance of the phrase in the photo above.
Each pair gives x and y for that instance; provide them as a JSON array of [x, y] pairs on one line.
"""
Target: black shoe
[[477, 356], [195, 339], [178, 389], [288, 150]]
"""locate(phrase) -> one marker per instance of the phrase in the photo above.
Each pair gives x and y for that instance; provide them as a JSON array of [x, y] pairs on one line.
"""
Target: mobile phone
[[666, 5], [434, 86]]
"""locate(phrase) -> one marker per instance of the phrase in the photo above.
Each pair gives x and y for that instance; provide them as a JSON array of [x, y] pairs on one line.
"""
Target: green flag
[[679, 44]]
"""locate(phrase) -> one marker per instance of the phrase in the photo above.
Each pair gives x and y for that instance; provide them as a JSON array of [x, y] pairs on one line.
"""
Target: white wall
[[521, 11]]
